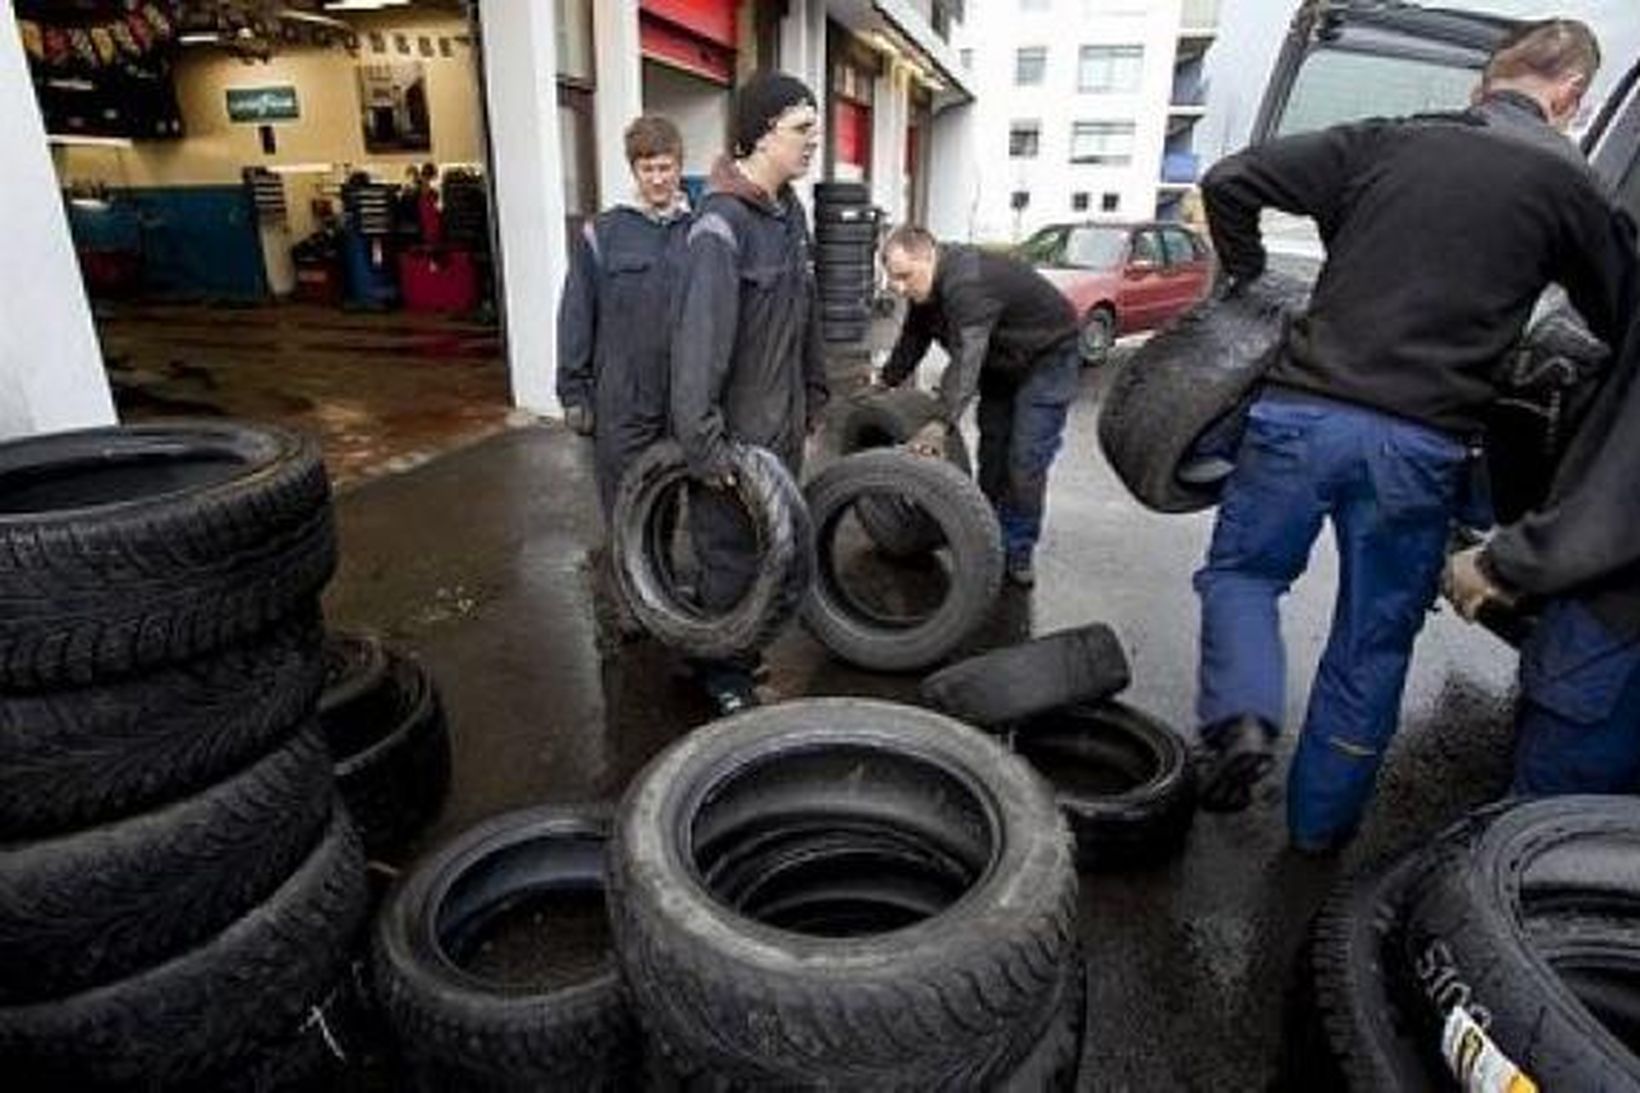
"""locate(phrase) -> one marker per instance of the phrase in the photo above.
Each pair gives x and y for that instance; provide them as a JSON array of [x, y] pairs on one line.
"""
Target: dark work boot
[[1234, 757]]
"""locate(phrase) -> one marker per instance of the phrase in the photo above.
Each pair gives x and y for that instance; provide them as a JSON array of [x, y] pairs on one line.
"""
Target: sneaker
[[1021, 573], [1235, 756]]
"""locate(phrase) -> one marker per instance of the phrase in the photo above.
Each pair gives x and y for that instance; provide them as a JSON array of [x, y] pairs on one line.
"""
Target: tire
[[85, 756], [1124, 780], [1199, 373], [209, 1011], [1084, 664], [834, 332], [1097, 336], [889, 418], [1598, 956], [87, 908], [1053, 1063], [781, 520], [829, 256], [858, 233], [356, 701], [1349, 1028], [1468, 942], [969, 528], [458, 1030], [396, 779], [128, 548], [842, 193], [866, 995]]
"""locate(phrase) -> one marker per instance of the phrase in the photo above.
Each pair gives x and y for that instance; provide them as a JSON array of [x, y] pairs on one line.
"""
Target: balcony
[[1189, 91], [1180, 168]]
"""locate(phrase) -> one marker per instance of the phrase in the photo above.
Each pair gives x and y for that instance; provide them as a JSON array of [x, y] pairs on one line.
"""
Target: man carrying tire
[[747, 363], [612, 335], [1441, 232], [1578, 722], [1011, 337]]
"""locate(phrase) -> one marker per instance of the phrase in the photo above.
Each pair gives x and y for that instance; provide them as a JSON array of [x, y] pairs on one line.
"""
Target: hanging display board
[[262, 104]]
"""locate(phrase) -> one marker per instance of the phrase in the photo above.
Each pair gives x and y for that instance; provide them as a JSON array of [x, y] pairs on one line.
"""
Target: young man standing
[[613, 340], [747, 366]]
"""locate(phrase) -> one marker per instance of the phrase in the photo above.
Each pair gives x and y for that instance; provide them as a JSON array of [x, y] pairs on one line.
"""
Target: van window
[[1334, 86]]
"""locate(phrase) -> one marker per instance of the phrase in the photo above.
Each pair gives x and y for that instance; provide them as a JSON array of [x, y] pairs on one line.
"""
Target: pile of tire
[[385, 727], [766, 930], [845, 228], [1509, 946], [1122, 776], [179, 889]]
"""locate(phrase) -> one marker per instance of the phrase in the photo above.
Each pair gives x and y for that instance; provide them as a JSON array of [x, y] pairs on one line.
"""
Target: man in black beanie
[[747, 367]]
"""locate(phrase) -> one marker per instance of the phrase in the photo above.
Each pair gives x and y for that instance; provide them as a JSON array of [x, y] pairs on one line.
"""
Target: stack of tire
[[767, 930], [179, 889], [1509, 947], [1123, 777], [845, 229]]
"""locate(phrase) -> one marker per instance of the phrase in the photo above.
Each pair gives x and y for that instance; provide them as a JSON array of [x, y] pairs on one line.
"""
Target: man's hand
[[1466, 584], [579, 418], [929, 440]]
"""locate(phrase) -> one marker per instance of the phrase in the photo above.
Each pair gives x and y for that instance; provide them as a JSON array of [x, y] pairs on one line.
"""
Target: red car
[[1121, 278]]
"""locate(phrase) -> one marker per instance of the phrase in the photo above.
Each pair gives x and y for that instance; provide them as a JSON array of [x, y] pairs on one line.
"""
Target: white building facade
[[1089, 110]]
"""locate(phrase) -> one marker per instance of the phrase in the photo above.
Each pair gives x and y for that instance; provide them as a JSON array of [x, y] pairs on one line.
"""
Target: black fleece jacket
[[1441, 232]]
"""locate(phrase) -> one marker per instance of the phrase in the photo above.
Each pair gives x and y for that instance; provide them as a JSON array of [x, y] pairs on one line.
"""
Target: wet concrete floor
[[478, 562]]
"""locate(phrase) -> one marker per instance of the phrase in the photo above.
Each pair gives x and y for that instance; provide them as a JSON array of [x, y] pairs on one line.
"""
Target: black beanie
[[760, 102]]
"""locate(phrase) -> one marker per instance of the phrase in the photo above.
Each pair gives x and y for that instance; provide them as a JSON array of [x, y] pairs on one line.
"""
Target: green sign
[[258, 104]]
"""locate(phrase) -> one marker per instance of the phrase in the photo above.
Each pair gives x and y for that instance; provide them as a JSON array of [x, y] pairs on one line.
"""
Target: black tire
[[1349, 1028], [127, 548], [834, 332], [396, 778], [858, 233], [84, 909], [827, 969], [828, 194], [1053, 1064], [209, 1011], [1124, 780], [969, 528], [877, 419], [1097, 336], [785, 569], [356, 701], [84, 756], [1468, 942], [457, 1030], [1598, 957], [831, 256], [1084, 664], [1191, 377]]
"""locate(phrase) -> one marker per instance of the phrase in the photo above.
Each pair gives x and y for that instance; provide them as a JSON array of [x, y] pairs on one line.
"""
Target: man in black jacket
[[1578, 722], [1011, 337], [1441, 232], [613, 340], [747, 364]]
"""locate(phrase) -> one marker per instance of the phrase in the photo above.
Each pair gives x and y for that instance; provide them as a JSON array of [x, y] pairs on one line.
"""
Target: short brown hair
[[1549, 48], [912, 239], [653, 135]]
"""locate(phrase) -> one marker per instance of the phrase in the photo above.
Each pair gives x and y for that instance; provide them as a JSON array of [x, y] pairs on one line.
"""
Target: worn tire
[[1183, 381], [356, 699], [1468, 942], [1124, 779], [1084, 664], [1053, 1064], [781, 520], [84, 756], [455, 1029], [122, 549], [955, 1000], [969, 527], [880, 419], [860, 233], [209, 1011], [1097, 335], [396, 777], [87, 908]]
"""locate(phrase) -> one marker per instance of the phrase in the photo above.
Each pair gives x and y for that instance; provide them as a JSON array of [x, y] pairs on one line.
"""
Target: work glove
[[1467, 584], [579, 418], [929, 440]]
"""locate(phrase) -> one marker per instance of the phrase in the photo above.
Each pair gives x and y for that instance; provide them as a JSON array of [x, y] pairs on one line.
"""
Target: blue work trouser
[[1389, 486], [1021, 427], [1578, 725]]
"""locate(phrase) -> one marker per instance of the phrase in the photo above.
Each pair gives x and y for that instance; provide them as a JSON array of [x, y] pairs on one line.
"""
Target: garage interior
[[281, 213]]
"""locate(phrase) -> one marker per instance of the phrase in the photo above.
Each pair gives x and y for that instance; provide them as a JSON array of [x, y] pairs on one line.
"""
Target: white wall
[[699, 108], [51, 374], [620, 95]]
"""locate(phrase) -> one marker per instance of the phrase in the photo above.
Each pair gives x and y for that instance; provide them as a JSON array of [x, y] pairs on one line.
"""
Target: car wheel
[[1098, 335]]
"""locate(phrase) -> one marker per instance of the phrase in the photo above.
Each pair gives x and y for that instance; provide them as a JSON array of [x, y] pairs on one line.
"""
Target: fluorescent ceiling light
[[364, 5], [72, 85], [94, 142], [199, 38], [301, 168]]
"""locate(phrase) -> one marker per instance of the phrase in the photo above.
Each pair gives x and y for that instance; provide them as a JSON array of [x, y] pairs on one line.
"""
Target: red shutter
[[713, 20], [851, 132], [669, 44]]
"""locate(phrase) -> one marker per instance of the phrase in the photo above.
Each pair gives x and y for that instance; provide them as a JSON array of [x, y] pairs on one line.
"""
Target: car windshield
[[1046, 247]]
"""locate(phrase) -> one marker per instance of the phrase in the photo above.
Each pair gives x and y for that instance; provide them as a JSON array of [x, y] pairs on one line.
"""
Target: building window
[[966, 58], [1079, 201], [1102, 143], [1109, 203], [1030, 63], [1109, 68], [1019, 199], [1024, 138]]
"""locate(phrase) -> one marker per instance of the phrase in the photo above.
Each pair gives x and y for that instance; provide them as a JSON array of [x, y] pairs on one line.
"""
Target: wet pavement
[[479, 562]]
